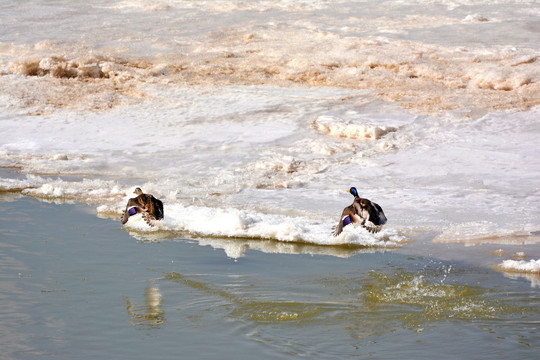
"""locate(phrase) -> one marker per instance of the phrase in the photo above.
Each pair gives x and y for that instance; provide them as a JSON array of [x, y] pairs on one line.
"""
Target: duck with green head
[[363, 211]]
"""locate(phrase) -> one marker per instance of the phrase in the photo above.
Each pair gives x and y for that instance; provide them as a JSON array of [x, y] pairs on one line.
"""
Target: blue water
[[76, 286]]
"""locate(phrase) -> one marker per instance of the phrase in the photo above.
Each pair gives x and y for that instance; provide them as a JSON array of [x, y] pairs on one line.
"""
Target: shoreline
[[488, 253]]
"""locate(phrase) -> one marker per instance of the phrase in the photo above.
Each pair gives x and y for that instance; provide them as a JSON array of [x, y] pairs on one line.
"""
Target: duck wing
[[372, 228], [158, 206], [376, 214], [348, 211], [380, 212], [376, 217]]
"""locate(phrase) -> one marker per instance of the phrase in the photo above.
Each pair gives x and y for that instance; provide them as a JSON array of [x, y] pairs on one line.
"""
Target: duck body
[[150, 207], [363, 211]]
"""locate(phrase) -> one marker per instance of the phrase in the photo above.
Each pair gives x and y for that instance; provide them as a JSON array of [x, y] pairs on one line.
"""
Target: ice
[[521, 266], [429, 108]]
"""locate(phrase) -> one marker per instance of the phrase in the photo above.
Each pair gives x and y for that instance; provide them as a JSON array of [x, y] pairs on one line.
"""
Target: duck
[[146, 204], [369, 214]]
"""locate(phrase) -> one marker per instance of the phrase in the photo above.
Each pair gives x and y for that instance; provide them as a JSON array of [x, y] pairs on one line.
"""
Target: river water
[[74, 285]]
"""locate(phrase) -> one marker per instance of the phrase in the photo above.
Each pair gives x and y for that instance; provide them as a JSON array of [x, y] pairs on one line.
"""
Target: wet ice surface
[[76, 285], [468, 179]]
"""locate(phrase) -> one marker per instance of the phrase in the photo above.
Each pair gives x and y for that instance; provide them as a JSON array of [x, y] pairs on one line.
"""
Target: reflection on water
[[236, 248], [265, 311], [371, 303], [533, 278], [151, 313]]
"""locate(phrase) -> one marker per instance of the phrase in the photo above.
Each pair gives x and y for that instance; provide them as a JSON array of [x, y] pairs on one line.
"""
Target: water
[[74, 285], [250, 120]]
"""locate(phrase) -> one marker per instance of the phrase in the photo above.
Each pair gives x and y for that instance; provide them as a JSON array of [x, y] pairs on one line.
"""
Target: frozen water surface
[[251, 119]]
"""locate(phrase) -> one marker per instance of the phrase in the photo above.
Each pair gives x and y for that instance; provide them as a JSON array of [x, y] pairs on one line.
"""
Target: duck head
[[353, 191], [138, 191]]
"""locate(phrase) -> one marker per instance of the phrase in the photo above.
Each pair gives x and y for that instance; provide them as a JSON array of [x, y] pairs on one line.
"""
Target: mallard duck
[[363, 211], [150, 207]]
